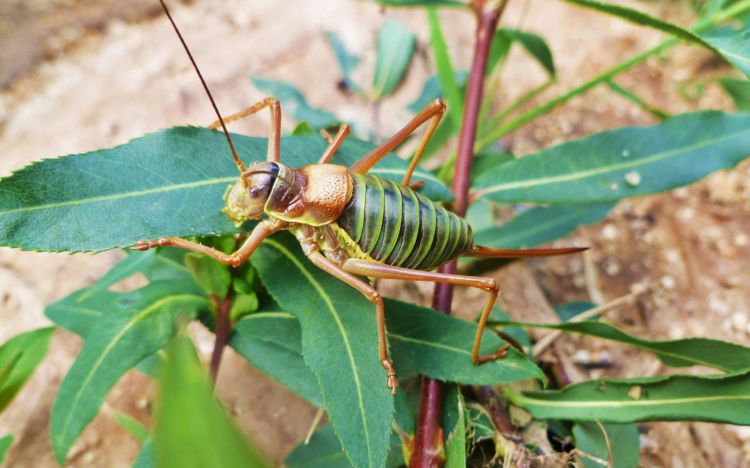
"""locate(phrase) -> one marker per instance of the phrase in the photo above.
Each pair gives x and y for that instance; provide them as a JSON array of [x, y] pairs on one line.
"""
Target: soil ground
[[81, 75]]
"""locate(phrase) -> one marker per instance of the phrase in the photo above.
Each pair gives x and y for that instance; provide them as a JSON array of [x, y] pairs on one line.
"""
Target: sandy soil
[[114, 74]]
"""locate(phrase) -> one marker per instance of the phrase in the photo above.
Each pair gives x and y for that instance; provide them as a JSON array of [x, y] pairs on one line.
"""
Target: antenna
[[237, 159]]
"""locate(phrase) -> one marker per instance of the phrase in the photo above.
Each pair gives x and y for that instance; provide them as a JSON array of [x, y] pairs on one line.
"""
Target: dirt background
[[78, 75]]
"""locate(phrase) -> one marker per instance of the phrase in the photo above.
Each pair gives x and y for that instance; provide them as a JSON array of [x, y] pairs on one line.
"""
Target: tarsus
[[237, 159]]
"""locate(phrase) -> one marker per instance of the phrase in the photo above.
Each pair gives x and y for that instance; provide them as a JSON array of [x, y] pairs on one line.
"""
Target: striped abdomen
[[394, 225]]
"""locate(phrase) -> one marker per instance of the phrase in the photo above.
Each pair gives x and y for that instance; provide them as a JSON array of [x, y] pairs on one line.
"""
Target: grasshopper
[[351, 224]]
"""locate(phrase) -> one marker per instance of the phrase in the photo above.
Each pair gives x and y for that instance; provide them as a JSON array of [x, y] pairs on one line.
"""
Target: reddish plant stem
[[426, 451], [222, 328]]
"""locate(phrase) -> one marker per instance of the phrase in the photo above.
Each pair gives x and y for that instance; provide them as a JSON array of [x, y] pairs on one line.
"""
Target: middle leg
[[379, 270]]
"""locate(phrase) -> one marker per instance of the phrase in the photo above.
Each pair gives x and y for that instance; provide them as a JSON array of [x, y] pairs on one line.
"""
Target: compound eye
[[260, 186]]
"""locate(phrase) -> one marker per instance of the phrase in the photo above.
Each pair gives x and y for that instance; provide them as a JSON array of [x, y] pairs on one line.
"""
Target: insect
[[351, 224]]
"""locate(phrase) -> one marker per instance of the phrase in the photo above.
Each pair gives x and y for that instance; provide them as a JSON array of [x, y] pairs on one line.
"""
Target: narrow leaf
[[294, 103], [19, 357], [536, 47], [5, 442], [432, 89], [438, 3], [624, 162], [395, 48], [146, 457], [624, 441], [272, 342], [716, 398], [141, 325], [718, 354], [541, 224], [168, 183], [339, 343], [733, 45], [637, 100], [424, 341], [445, 71], [455, 444], [323, 451], [192, 429], [346, 60], [132, 425], [739, 90]]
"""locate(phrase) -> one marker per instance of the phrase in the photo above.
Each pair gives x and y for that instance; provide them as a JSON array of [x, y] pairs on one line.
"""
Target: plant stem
[[488, 14], [222, 335]]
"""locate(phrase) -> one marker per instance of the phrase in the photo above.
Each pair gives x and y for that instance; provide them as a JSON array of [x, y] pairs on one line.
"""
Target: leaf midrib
[[61, 435], [579, 175], [360, 403]]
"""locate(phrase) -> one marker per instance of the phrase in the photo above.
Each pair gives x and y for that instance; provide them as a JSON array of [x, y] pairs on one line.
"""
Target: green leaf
[[395, 47], [535, 45], [242, 305], [294, 103], [637, 100], [733, 45], [146, 457], [716, 398], [624, 162], [339, 343], [480, 423], [213, 277], [541, 224], [455, 443], [192, 430], [5, 442], [718, 354], [640, 18], [424, 341], [739, 90], [445, 71], [569, 310], [499, 48], [323, 451], [272, 342], [167, 183], [132, 425], [19, 357], [624, 441], [142, 323], [346, 60]]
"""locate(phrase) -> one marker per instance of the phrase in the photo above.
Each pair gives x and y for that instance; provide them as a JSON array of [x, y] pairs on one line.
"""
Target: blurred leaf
[[242, 305], [5, 442], [432, 90], [733, 45], [346, 60], [739, 90], [541, 224], [323, 451], [213, 277], [19, 357], [146, 457], [152, 365], [132, 425], [395, 48], [623, 439], [294, 103], [625, 162], [445, 71], [167, 183], [571, 309], [499, 48], [142, 323], [716, 398], [643, 19], [303, 129], [339, 343], [535, 45], [488, 160], [424, 341], [634, 98], [272, 342], [455, 443], [192, 429], [684, 352]]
